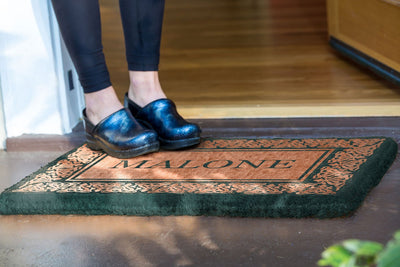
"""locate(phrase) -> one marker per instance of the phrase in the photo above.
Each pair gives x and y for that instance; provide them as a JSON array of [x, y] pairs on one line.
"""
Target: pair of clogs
[[134, 131]]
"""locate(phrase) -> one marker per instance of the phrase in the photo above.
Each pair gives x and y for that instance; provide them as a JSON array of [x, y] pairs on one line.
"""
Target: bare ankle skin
[[145, 87], [101, 104]]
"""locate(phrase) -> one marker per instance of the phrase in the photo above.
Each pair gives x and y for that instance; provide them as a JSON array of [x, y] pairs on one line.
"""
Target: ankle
[[144, 80], [143, 76], [144, 96], [101, 104], [145, 87]]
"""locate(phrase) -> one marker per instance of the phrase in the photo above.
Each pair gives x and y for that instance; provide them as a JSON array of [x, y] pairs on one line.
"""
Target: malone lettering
[[124, 164], [163, 164], [212, 164], [282, 164], [217, 166], [255, 166], [183, 166]]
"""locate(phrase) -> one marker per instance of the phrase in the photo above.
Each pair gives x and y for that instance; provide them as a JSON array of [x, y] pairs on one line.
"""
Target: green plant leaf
[[334, 256], [390, 256], [364, 248], [350, 263], [397, 235], [359, 253], [352, 245], [351, 253], [370, 248]]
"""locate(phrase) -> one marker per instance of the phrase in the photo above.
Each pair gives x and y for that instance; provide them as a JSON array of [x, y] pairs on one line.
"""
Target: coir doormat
[[225, 177]]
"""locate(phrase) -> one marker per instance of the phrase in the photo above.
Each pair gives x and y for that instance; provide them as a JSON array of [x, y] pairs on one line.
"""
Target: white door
[[2, 124], [38, 97]]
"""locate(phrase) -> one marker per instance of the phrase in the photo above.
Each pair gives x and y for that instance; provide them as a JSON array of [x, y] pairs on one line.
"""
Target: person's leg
[[80, 26], [142, 22]]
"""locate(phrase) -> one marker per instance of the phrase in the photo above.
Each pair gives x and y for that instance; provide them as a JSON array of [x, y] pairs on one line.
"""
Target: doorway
[[252, 58]]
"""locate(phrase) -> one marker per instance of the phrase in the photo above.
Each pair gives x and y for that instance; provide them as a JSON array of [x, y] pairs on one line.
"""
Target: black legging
[[79, 22]]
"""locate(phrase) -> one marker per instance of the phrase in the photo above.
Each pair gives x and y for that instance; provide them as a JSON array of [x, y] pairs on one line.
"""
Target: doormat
[[320, 178]]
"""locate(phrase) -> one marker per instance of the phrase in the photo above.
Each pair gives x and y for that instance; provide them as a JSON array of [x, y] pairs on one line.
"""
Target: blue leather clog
[[161, 115], [120, 135]]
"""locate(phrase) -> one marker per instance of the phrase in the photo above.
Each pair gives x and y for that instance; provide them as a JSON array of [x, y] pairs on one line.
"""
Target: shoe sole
[[98, 145], [178, 144]]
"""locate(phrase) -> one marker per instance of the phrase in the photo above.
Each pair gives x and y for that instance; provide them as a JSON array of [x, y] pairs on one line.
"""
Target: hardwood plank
[[248, 53], [285, 111]]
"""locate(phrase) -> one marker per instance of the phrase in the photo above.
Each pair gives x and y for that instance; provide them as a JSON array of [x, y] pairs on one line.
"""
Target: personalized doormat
[[225, 177]]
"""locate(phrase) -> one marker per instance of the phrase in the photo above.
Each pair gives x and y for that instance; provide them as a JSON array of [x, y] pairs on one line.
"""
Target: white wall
[[2, 124], [32, 62]]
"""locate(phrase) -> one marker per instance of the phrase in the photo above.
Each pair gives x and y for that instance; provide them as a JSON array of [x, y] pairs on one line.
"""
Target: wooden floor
[[252, 58]]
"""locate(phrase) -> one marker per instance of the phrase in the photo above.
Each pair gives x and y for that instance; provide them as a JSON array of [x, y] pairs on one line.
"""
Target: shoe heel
[[92, 143]]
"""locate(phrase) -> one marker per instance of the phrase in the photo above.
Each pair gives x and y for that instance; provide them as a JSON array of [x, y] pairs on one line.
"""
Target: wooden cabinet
[[368, 31]]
